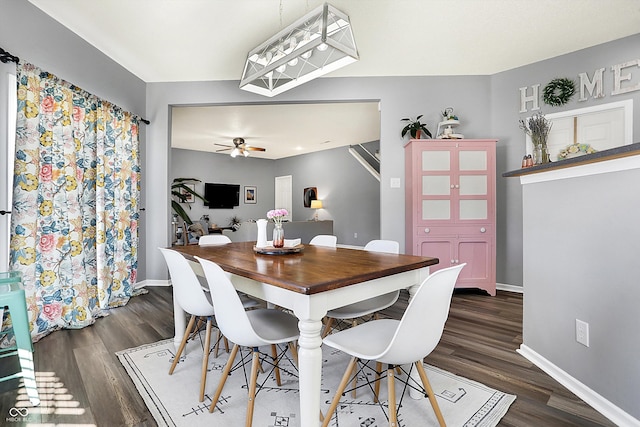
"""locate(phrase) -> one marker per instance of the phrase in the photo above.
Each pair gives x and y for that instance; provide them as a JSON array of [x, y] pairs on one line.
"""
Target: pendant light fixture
[[316, 44]]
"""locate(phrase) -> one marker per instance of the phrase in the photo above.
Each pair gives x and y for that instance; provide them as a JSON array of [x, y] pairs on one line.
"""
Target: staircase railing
[[371, 162]]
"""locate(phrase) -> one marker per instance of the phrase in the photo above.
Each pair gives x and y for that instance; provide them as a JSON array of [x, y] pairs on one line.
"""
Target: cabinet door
[[436, 187], [476, 251], [439, 247], [473, 184]]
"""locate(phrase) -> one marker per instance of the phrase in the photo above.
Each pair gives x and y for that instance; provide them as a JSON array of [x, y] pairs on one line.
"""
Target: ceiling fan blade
[[222, 145], [223, 149], [249, 148]]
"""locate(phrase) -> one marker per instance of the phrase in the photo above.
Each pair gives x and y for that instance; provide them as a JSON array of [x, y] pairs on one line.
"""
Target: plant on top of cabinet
[[415, 127]]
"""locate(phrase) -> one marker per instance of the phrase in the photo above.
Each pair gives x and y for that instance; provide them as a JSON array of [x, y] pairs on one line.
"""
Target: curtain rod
[[7, 57]]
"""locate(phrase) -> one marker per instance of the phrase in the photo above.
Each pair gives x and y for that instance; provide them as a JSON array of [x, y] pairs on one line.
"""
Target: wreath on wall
[[558, 92]]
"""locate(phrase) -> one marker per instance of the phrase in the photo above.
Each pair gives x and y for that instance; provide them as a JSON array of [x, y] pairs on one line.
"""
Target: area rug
[[173, 399]]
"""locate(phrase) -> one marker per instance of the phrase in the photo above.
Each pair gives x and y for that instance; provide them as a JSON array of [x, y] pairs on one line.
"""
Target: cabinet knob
[[453, 261], [483, 230], [426, 230], [453, 186], [457, 186], [457, 261]]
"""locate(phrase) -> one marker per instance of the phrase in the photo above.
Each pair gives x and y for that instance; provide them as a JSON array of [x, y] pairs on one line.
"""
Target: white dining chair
[[247, 328], [213, 239], [193, 300], [324, 240], [247, 301], [369, 306], [399, 342]]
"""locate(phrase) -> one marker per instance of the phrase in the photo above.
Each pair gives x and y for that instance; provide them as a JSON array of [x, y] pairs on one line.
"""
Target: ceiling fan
[[240, 147]]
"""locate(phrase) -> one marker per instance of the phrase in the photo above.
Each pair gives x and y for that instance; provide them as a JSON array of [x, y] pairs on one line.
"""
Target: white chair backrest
[[324, 240], [231, 316], [186, 287], [422, 324], [390, 246], [213, 239]]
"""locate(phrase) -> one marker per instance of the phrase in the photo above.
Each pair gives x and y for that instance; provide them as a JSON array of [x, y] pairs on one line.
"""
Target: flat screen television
[[222, 196]]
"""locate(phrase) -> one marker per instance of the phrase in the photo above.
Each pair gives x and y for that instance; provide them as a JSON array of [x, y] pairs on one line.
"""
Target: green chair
[[12, 297]]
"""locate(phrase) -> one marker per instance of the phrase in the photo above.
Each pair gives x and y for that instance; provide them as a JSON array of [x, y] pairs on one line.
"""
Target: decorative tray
[[270, 250]]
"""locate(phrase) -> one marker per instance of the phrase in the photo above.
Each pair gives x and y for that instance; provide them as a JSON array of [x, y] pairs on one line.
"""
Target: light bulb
[[293, 62], [322, 47], [281, 68], [306, 55], [235, 152]]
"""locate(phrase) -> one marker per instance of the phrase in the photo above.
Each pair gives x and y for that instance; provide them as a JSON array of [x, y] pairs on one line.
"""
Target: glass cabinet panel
[[436, 185], [436, 161], [472, 160], [473, 185], [473, 209], [436, 209]]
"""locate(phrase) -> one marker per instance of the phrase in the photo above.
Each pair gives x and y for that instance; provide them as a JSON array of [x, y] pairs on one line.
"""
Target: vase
[[278, 236], [540, 150]]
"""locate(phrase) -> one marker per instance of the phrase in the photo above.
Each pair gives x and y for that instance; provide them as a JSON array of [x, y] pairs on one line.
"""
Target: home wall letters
[[622, 83]]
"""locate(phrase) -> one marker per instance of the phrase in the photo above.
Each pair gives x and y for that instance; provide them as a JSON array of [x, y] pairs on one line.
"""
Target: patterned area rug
[[173, 400]]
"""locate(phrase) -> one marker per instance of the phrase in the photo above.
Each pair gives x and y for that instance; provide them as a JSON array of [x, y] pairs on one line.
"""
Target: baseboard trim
[[509, 288], [145, 283], [593, 399]]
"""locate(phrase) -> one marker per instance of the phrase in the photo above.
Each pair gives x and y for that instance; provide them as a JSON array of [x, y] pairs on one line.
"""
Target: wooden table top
[[315, 269]]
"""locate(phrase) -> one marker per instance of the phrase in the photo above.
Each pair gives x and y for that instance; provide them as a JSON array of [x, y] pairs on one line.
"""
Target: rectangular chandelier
[[314, 45]]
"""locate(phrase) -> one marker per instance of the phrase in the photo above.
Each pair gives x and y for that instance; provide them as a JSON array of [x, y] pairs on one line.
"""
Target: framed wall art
[[250, 194]]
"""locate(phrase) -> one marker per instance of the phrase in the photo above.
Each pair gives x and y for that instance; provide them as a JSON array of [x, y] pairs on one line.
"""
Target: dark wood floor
[[87, 385]]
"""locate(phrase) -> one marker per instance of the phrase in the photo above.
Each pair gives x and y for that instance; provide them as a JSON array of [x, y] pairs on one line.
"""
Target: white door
[[283, 194], [7, 150]]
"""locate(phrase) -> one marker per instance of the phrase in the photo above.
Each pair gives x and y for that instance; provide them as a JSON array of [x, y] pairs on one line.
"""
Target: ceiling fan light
[[235, 152], [246, 153]]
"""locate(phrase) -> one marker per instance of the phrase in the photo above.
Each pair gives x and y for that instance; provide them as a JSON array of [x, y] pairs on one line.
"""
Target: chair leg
[[376, 389], [252, 387], [393, 416], [327, 326], [217, 346], [185, 337], [223, 378], [205, 359], [343, 384], [430, 394], [274, 356], [294, 352]]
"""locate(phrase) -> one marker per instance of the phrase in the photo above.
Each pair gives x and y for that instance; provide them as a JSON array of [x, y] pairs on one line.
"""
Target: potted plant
[[415, 128], [182, 192]]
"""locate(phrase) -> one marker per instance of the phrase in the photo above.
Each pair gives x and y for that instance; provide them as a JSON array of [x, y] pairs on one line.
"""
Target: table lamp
[[316, 204]]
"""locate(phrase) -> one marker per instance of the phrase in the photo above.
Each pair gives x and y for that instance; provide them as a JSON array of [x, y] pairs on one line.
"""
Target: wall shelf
[[600, 156]]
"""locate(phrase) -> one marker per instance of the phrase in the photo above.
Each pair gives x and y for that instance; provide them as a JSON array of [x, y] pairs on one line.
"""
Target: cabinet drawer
[[467, 230]]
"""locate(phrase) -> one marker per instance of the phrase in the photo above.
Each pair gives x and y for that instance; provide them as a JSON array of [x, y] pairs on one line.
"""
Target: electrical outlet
[[582, 332], [355, 235]]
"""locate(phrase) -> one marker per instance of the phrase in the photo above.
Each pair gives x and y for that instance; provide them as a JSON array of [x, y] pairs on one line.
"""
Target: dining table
[[308, 280]]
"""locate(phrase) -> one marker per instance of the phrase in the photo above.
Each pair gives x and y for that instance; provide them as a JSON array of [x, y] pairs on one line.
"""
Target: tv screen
[[222, 196]]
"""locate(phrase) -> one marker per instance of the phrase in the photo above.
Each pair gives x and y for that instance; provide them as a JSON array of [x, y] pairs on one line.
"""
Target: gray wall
[[351, 196], [582, 243], [222, 168], [505, 107], [399, 97]]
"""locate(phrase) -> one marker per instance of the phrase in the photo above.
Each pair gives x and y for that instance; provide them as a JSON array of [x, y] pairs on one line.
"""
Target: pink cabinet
[[450, 206]]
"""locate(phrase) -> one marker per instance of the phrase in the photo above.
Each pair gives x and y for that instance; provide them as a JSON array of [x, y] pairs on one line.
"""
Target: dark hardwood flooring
[[81, 381]]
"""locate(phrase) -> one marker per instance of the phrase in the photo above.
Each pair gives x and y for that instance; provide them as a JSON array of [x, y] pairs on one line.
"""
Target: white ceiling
[[283, 129], [202, 40]]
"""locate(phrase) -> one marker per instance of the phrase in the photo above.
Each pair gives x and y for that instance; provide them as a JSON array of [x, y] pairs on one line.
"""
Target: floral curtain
[[74, 231]]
